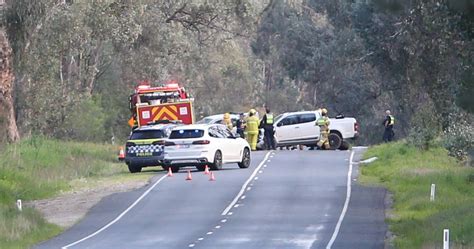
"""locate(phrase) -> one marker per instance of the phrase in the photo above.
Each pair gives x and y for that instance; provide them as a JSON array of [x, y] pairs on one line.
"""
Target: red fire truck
[[166, 102]]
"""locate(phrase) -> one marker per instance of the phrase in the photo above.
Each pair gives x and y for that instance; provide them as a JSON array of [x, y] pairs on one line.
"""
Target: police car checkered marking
[[145, 148]]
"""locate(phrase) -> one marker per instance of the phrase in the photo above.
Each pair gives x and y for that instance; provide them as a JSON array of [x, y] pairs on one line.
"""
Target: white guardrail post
[[433, 190], [446, 239], [18, 205]]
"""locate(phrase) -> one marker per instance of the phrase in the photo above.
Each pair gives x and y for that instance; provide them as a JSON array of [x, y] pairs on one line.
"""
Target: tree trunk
[[7, 113]]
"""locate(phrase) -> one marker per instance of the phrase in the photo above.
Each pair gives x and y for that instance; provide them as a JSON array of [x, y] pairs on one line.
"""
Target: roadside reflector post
[[433, 190], [446, 239], [18, 205]]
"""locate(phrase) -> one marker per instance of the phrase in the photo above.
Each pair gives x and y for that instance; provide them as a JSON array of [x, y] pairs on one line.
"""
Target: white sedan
[[205, 144]]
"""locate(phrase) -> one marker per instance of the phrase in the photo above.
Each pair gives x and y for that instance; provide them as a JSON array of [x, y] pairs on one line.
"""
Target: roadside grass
[[39, 168], [408, 173]]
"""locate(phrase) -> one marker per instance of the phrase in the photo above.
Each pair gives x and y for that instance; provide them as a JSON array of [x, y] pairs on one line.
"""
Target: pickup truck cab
[[299, 128]]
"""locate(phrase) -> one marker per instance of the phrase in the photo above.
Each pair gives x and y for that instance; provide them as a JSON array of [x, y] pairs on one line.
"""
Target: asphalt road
[[286, 199]]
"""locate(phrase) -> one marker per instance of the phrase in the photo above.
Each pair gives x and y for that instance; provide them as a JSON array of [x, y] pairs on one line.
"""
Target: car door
[[230, 144], [308, 127], [287, 129]]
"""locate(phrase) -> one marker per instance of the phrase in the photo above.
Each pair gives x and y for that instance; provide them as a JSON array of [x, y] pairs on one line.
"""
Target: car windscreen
[[186, 133], [147, 134], [205, 121]]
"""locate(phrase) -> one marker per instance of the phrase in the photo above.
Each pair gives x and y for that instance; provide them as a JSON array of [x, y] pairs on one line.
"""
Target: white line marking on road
[[346, 204], [242, 190], [118, 217], [260, 172], [224, 220], [236, 205], [230, 213], [209, 233], [217, 227], [191, 245], [360, 147], [243, 197], [256, 178], [200, 239], [249, 188]]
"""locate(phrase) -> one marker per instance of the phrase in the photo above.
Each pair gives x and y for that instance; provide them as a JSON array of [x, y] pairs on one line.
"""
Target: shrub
[[425, 127], [458, 137]]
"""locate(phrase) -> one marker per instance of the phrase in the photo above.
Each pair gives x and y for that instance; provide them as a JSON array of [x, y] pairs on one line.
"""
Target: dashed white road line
[[118, 217], [346, 204], [242, 190]]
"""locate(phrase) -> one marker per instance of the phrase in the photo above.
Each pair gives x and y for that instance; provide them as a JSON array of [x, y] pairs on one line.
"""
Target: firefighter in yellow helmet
[[323, 123], [227, 121], [252, 129]]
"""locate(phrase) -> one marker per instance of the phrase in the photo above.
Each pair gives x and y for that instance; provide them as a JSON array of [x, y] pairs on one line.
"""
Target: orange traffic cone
[[206, 170], [189, 177], [212, 178], [121, 155], [170, 173]]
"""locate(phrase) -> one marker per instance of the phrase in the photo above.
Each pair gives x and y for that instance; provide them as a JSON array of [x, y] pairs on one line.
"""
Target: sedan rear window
[[147, 134], [179, 134]]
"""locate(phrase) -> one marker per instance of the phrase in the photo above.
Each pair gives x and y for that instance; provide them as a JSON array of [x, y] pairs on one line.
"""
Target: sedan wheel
[[245, 159], [217, 164]]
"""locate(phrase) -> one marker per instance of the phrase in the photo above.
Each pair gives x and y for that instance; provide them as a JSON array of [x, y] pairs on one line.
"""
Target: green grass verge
[[39, 168], [408, 173]]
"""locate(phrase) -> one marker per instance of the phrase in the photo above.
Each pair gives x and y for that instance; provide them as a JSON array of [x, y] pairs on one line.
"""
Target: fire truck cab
[[166, 102]]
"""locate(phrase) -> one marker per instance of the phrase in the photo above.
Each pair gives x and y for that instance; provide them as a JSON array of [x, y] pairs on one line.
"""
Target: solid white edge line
[[346, 204], [242, 190], [118, 217]]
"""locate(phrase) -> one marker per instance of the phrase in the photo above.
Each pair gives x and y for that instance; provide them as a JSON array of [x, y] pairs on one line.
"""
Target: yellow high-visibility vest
[[392, 120], [269, 118]]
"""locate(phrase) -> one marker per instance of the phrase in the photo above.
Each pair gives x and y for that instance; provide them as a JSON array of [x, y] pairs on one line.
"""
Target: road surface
[[286, 199]]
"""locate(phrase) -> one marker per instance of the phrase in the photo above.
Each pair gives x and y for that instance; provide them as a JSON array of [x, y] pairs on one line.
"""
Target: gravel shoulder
[[68, 208]]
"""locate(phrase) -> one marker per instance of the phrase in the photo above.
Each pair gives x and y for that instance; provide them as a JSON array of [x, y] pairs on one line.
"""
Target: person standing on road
[[252, 129], [388, 123], [323, 123], [227, 121], [241, 125], [269, 131]]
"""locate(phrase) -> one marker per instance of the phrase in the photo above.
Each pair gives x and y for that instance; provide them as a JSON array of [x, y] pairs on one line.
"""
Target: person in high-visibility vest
[[388, 123], [267, 125], [252, 129], [227, 121], [323, 123]]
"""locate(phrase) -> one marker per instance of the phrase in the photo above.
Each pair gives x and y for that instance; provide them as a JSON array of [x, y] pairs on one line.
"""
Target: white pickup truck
[[299, 128]]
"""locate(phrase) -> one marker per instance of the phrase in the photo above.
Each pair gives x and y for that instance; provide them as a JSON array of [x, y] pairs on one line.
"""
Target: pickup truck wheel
[[134, 169], [334, 141], [245, 159], [217, 164], [344, 145]]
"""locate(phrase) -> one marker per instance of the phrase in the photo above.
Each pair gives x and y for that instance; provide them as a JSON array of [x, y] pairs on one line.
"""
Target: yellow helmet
[[226, 115], [324, 111], [252, 111]]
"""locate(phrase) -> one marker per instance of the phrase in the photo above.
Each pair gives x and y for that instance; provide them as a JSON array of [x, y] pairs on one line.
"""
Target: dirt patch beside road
[[69, 207]]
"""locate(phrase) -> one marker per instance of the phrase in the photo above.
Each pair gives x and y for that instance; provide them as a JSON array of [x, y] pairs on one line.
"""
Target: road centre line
[[118, 217], [242, 190], [346, 204]]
